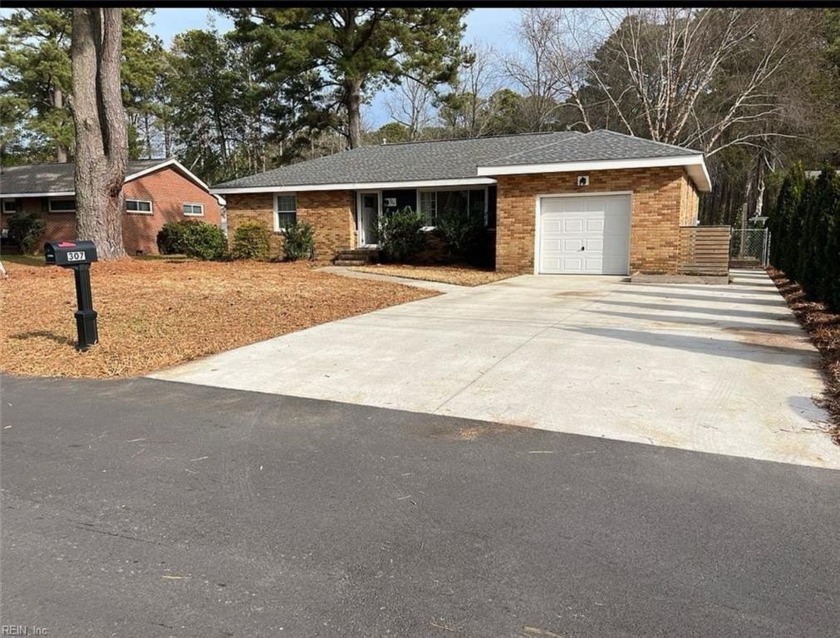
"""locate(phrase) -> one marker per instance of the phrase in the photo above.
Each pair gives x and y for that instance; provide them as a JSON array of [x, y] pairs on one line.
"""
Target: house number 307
[[78, 255]]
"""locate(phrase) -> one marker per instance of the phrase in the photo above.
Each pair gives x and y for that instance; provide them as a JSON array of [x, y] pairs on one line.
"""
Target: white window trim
[[486, 190], [276, 220], [151, 210], [8, 201], [186, 214], [61, 199]]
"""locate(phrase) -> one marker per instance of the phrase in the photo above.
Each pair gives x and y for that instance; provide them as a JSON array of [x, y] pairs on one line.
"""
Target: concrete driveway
[[722, 369]]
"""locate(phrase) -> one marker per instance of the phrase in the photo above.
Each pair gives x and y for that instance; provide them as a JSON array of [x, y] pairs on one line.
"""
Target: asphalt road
[[148, 508]]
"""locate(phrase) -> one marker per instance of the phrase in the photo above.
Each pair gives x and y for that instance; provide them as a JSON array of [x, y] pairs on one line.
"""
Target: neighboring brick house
[[560, 203], [156, 192]]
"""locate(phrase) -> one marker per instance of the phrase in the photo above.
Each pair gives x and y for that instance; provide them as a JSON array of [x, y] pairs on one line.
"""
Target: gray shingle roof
[[456, 159], [594, 146], [43, 179], [412, 161]]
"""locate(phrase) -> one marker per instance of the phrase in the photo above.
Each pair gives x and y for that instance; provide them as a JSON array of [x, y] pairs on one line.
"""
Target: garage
[[588, 235]]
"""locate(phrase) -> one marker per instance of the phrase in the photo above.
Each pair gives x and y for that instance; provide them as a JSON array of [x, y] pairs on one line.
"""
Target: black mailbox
[[78, 255], [69, 253]]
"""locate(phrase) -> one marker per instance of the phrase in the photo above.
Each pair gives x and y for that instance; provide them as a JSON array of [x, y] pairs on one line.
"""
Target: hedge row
[[201, 240], [805, 233]]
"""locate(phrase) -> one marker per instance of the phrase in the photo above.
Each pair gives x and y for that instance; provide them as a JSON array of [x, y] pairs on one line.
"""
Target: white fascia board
[[700, 175], [431, 183], [22, 195], [171, 162]]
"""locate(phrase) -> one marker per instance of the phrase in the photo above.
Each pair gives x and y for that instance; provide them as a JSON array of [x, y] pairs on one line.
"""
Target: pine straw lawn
[[457, 275], [156, 314], [824, 329]]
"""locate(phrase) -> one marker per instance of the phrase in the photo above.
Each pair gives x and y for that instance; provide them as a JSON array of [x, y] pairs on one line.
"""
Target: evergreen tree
[[345, 54], [36, 123]]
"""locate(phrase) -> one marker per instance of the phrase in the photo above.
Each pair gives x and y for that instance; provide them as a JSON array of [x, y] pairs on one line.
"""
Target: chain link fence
[[749, 248]]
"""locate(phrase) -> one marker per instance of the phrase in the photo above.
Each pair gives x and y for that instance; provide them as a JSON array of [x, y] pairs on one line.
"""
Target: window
[[194, 210], [141, 206], [285, 211], [10, 206], [62, 205], [432, 203]]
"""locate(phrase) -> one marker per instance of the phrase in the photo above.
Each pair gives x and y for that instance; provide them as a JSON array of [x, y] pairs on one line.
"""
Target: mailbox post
[[78, 255]]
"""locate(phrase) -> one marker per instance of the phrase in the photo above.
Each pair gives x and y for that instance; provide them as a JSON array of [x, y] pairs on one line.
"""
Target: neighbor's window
[[142, 206], [285, 211], [194, 210], [432, 203], [10, 206], [62, 205]]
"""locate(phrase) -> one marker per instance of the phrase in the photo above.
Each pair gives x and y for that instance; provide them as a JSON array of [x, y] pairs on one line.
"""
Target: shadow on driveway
[[767, 354]]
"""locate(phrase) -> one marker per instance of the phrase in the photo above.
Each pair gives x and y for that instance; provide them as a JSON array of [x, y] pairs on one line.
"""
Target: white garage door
[[585, 235]]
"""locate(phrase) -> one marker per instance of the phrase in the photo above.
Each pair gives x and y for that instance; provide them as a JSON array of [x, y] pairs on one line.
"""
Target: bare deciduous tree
[[410, 104], [651, 72], [467, 107], [534, 68], [101, 136]]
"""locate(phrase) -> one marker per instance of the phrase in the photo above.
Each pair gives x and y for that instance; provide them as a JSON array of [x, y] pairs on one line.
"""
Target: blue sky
[[487, 26]]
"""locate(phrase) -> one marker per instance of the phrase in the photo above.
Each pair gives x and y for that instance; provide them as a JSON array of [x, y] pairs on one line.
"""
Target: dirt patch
[[457, 275], [823, 327], [769, 339], [445, 432], [156, 314]]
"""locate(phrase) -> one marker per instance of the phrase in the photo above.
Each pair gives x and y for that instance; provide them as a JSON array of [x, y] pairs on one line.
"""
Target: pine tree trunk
[[58, 103], [101, 136], [167, 140], [148, 132], [353, 90]]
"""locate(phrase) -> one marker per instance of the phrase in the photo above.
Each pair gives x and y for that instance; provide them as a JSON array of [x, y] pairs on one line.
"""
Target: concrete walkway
[[722, 369]]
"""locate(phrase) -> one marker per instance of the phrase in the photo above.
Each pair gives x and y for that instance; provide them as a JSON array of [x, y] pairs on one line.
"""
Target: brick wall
[[252, 207], [690, 206], [331, 216], [657, 203], [329, 212], [168, 191]]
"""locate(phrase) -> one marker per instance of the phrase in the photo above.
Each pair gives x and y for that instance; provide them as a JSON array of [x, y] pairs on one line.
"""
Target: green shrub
[[251, 241], [399, 234], [192, 238], [299, 242], [463, 233], [25, 229]]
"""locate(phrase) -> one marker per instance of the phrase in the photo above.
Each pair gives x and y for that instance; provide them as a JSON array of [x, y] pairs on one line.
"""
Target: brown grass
[[457, 275], [156, 314], [823, 327]]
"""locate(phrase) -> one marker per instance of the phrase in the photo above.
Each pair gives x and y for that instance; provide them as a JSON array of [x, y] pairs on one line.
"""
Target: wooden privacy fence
[[704, 250]]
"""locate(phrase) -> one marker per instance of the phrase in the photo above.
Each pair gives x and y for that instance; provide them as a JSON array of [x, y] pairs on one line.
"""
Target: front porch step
[[355, 256], [351, 262]]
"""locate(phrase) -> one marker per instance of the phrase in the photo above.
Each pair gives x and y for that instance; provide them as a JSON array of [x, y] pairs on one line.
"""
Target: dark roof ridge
[[468, 139], [682, 148]]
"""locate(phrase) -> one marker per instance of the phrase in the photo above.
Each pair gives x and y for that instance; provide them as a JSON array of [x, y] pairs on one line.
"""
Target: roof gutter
[[356, 186], [50, 194], [694, 164]]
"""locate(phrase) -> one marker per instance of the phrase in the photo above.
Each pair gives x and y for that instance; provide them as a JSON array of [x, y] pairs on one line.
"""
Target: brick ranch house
[[562, 202], [156, 191]]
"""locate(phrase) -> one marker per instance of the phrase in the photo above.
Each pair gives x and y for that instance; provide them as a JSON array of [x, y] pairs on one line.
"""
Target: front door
[[368, 219]]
